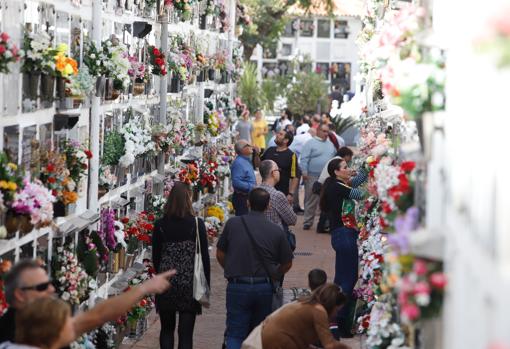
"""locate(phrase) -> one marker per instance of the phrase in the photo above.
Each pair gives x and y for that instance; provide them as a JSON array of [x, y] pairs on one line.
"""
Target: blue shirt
[[243, 174]]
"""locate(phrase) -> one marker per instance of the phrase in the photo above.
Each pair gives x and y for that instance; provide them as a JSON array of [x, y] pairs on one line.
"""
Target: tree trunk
[[248, 51]]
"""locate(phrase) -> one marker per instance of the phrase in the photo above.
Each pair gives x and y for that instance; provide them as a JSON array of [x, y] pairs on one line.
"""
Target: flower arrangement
[[139, 228], [157, 60], [106, 178], [35, 47], [182, 7], [161, 139], [189, 174], [421, 291], [113, 148], [213, 228], [137, 141], [65, 66], [9, 53], [93, 58], [107, 228], [137, 69], [215, 211], [213, 123], [5, 266], [73, 283], [115, 62], [10, 179], [208, 175], [80, 85], [56, 177], [36, 201], [220, 60], [76, 157]]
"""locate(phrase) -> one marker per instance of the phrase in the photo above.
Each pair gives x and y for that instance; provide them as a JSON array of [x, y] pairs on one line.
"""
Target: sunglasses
[[39, 287], [247, 145]]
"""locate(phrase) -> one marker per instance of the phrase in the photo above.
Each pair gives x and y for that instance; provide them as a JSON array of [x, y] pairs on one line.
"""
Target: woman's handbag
[[201, 289]]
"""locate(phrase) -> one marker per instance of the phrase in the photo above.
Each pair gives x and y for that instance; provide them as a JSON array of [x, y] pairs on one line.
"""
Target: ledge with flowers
[[400, 290]]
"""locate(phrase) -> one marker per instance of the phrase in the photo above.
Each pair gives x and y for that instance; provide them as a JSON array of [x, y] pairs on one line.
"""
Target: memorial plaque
[[11, 145], [28, 144]]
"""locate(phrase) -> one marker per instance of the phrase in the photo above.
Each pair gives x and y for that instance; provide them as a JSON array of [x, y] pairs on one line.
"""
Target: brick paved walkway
[[211, 324]]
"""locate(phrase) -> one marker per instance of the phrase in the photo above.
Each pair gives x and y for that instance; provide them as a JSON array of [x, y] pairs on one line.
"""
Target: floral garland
[[73, 283], [36, 201], [9, 53]]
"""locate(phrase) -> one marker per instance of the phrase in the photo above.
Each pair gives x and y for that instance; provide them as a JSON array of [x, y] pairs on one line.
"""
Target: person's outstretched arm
[[112, 308]]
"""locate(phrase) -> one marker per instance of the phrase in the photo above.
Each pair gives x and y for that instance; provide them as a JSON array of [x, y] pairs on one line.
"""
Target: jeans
[[344, 242], [185, 330], [247, 306], [240, 203]]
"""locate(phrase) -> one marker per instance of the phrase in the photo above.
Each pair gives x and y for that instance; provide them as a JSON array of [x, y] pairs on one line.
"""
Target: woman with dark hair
[[305, 322], [173, 247], [344, 239]]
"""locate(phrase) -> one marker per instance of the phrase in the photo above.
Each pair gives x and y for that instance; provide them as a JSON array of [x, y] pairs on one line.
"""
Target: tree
[[307, 93], [248, 87], [269, 18]]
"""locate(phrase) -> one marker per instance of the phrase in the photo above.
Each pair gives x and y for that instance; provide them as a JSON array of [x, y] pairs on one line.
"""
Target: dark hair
[[317, 278], [287, 112], [289, 137], [336, 87], [344, 151], [333, 165], [266, 168], [179, 201], [258, 199], [13, 277], [328, 295]]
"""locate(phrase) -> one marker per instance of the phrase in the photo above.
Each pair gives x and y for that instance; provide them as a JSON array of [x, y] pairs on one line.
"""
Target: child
[[316, 278]]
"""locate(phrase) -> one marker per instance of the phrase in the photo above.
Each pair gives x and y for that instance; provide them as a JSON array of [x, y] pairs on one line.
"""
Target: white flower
[[93, 56], [3, 232], [66, 296]]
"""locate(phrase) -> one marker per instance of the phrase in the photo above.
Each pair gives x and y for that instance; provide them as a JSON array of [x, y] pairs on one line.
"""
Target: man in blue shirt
[[243, 176]]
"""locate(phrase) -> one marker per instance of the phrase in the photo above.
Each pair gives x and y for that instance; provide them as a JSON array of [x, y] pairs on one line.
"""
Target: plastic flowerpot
[[47, 87], [61, 88], [175, 85], [212, 74], [31, 84]]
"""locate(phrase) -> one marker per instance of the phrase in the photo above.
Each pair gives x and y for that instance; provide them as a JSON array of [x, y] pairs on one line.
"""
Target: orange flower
[[69, 197]]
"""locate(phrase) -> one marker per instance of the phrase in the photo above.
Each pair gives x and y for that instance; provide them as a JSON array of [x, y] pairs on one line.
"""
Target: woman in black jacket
[[343, 239], [173, 247]]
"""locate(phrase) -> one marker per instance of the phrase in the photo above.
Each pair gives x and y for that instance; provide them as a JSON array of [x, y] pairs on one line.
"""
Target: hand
[[290, 198], [159, 283]]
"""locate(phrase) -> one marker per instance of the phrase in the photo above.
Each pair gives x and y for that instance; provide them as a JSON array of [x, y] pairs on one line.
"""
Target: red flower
[[88, 153], [438, 280], [125, 220], [149, 227], [2, 49], [158, 61], [386, 207], [155, 52], [84, 166], [51, 180], [50, 167], [408, 166], [151, 217], [54, 192]]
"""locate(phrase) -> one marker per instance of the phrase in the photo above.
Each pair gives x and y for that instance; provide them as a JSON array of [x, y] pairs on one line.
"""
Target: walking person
[[280, 211], [245, 255], [243, 176], [314, 155], [47, 322], [174, 247], [244, 127], [343, 239], [287, 163], [259, 131]]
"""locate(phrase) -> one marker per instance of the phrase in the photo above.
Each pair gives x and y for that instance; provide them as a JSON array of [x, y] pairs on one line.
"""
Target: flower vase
[[201, 76], [11, 223], [175, 85], [31, 84], [25, 226], [211, 73], [138, 88], [59, 209], [100, 86], [225, 77], [111, 93], [133, 327], [113, 262], [47, 87], [101, 191], [122, 258], [203, 22], [61, 88]]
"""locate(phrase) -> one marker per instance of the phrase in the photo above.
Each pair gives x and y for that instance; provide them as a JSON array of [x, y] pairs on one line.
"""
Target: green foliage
[[113, 148], [306, 93], [270, 91], [248, 88], [342, 124]]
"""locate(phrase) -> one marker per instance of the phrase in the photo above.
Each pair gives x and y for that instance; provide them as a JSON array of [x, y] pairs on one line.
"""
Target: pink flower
[[411, 312], [421, 288], [420, 267], [438, 280], [2, 49], [4, 36]]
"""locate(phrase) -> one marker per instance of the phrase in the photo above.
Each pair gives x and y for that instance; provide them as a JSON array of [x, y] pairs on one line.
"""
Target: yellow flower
[[12, 166], [62, 48], [12, 186], [3, 184]]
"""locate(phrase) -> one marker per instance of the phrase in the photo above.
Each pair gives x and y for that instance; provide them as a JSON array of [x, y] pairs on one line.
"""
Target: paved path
[[313, 251]]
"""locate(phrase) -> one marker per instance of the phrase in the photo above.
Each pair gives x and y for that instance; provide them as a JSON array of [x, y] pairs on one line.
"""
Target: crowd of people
[[255, 250]]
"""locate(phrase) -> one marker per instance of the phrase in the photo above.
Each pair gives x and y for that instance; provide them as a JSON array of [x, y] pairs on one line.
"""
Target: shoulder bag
[[277, 289], [201, 289]]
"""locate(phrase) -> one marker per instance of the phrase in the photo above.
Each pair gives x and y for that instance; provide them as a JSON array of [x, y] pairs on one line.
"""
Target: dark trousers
[[344, 242], [323, 224], [247, 306], [240, 203], [184, 331]]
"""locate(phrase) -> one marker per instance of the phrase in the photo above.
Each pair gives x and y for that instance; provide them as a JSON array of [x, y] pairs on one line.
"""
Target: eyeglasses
[[247, 145], [39, 287]]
